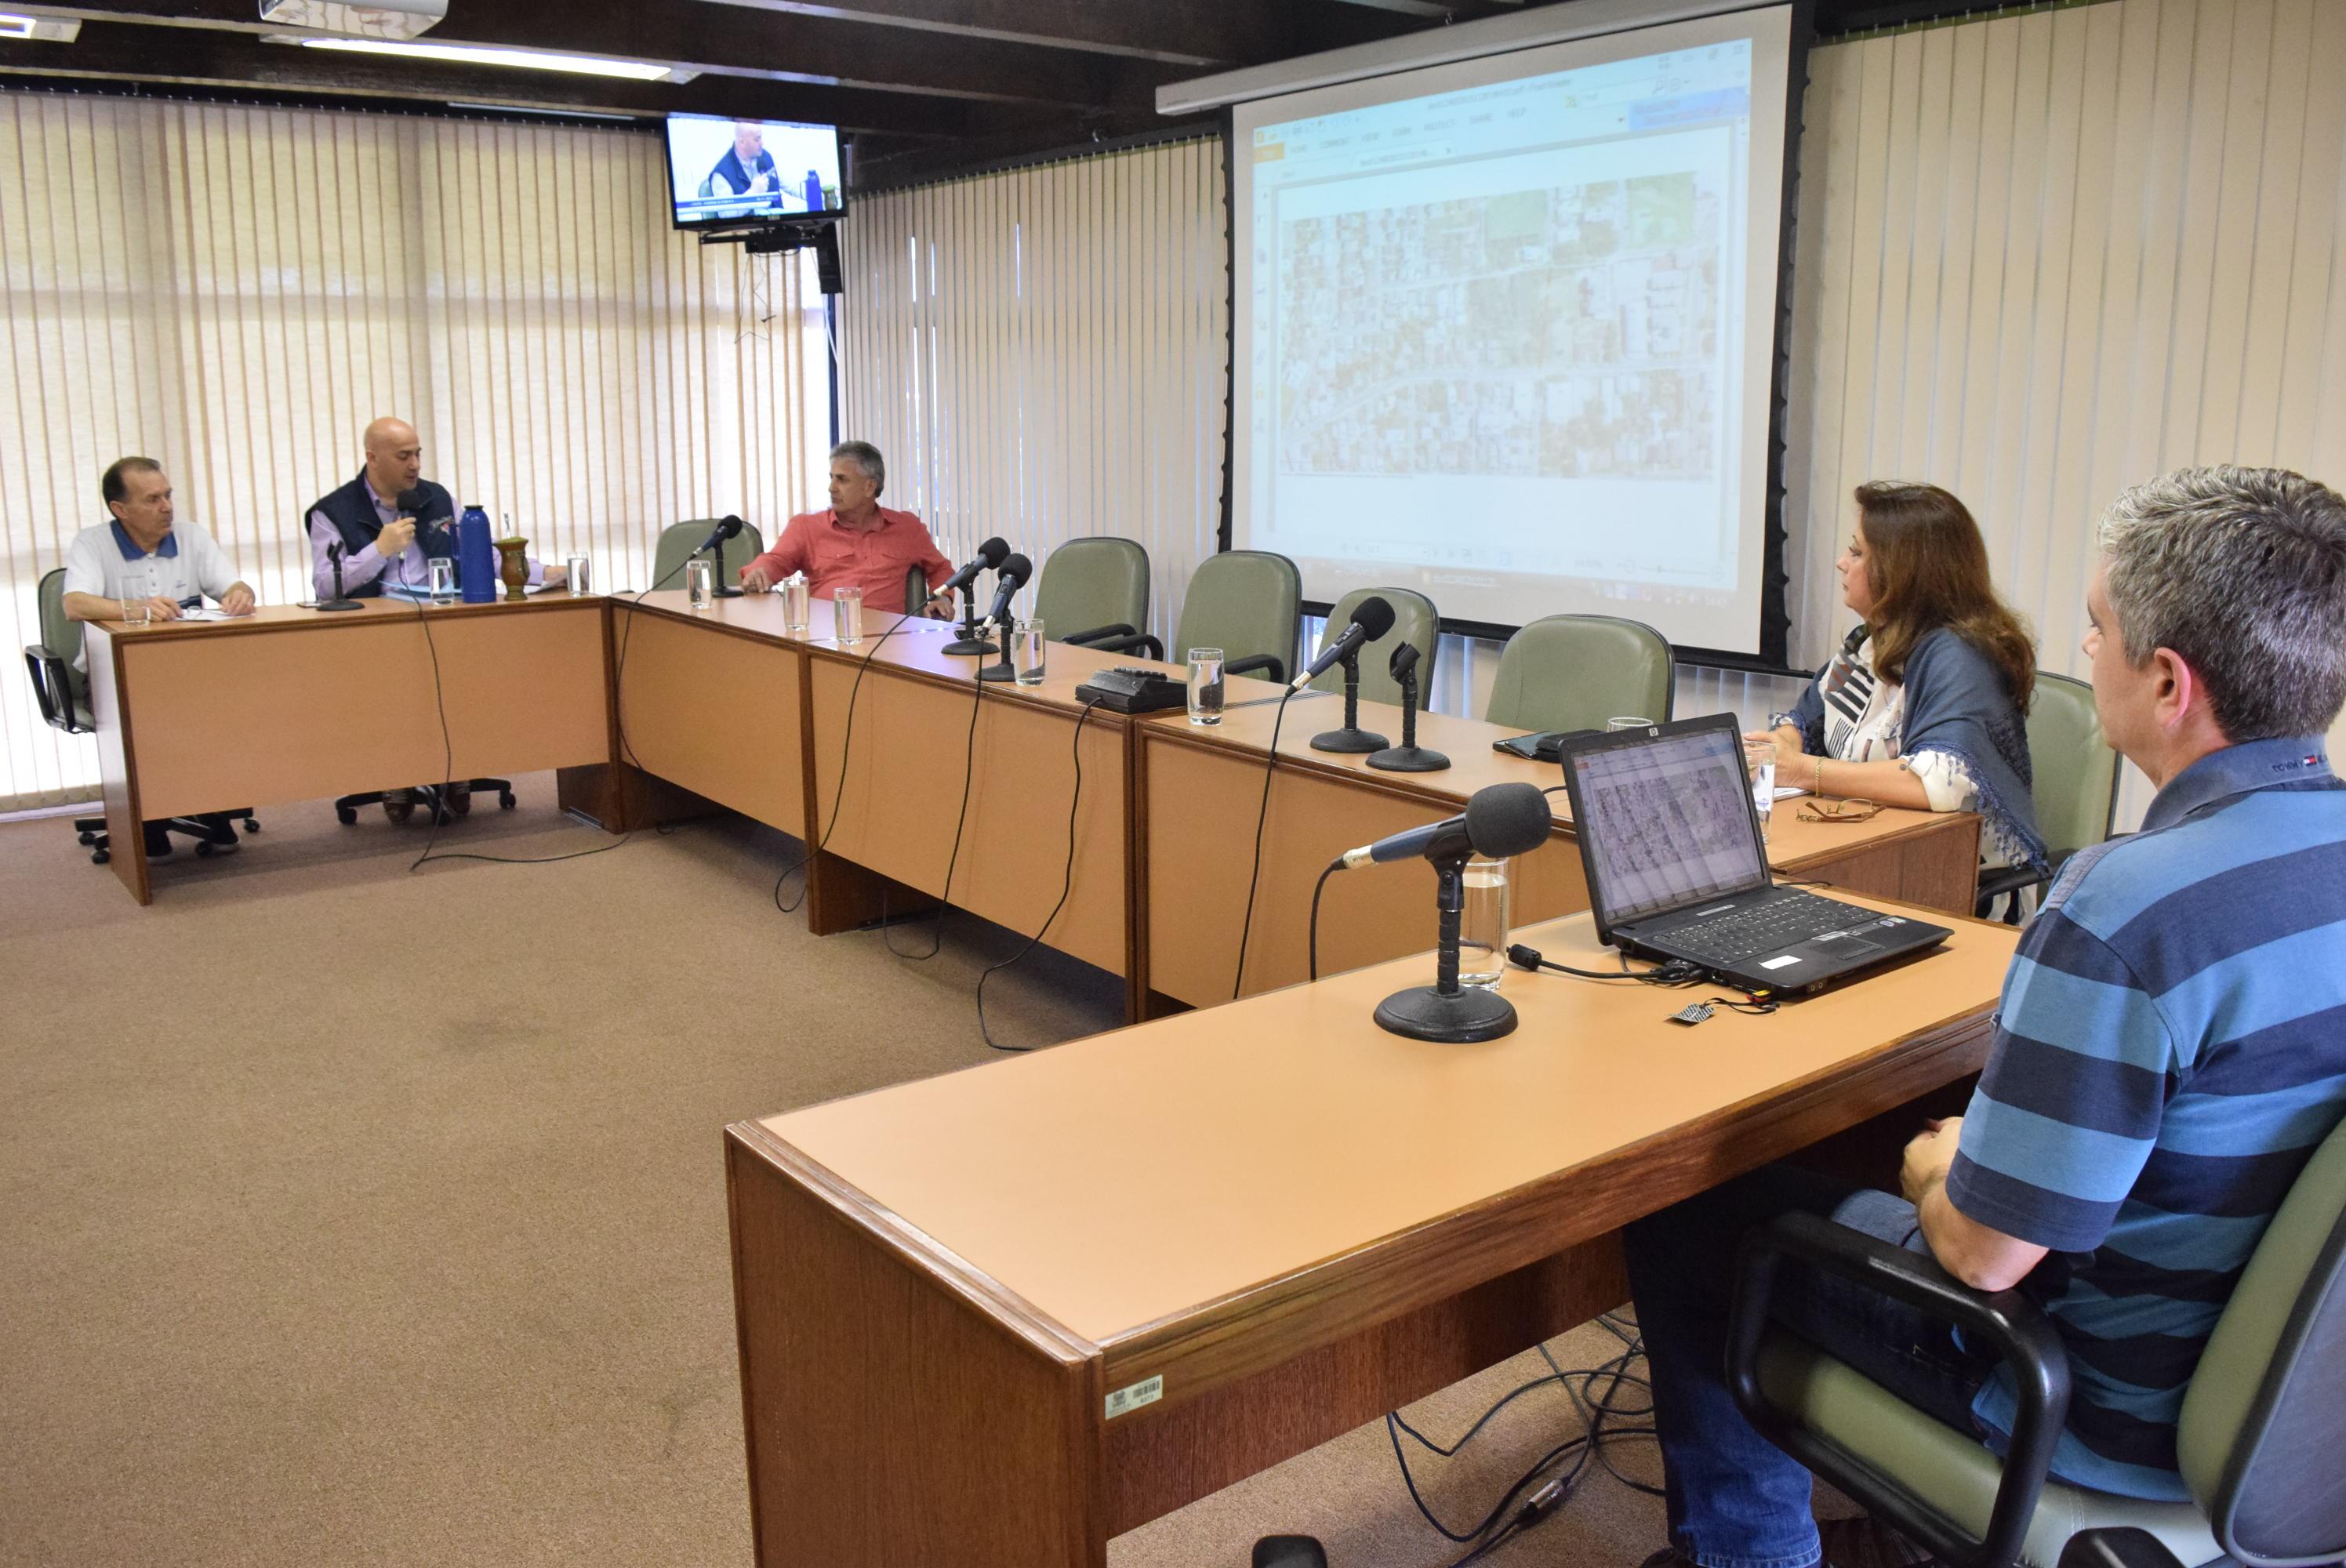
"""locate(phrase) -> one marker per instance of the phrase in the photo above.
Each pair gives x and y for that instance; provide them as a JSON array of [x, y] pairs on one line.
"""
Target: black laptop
[[1671, 839]]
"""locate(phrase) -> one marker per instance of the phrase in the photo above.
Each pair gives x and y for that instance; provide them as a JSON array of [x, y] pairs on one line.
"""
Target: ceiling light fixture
[[507, 59], [38, 29]]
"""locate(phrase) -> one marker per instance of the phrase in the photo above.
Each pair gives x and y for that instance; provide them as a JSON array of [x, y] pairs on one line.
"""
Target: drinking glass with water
[[1482, 924], [1205, 686]]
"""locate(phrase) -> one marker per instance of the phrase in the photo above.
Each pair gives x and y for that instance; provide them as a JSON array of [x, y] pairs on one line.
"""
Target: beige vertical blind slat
[[236, 291], [1052, 347]]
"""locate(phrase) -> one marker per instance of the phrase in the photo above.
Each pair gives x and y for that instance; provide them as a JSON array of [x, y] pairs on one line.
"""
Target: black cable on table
[[1067, 885], [846, 746], [1313, 971], [945, 899], [1262, 815]]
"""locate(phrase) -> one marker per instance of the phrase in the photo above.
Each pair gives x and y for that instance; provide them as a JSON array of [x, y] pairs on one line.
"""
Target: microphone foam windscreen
[[411, 504], [1017, 568], [994, 551], [732, 527], [1504, 820], [1374, 615]]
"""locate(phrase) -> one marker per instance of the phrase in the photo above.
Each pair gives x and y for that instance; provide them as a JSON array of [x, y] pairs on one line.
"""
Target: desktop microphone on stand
[[1371, 620], [339, 601], [1500, 821], [1409, 757]]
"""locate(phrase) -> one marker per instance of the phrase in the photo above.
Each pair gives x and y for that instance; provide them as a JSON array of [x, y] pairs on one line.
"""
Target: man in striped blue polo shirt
[[2170, 1048]]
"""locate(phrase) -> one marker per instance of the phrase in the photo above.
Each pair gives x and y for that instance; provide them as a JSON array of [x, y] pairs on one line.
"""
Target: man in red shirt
[[857, 544]]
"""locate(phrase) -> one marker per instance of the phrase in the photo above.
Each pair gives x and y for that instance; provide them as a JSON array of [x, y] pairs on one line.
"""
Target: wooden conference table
[[997, 1317], [726, 705], [651, 709]]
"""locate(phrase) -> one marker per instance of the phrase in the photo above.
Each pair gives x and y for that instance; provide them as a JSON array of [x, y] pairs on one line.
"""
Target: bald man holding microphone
[[385, 524]]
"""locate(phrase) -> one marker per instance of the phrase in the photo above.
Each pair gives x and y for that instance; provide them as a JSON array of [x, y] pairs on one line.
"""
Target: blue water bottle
[[814, 192], [476, 558]]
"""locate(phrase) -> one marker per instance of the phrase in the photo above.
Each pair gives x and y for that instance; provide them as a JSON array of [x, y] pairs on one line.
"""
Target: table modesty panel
[[292, 705], [1215, 1197], [711, 701], [903, 780]]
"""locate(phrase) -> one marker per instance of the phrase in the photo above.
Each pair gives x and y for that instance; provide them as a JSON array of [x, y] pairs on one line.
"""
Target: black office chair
[[445, 808], [62, 694]]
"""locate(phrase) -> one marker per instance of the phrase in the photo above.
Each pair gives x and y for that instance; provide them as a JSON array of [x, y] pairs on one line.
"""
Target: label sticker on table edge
[[1778, 963], [1123, 1401]]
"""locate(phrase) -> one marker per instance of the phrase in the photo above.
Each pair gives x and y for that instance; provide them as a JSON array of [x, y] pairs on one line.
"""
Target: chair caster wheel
[[87, 839], [99, 857], [345, 816], [505, 801], [203, 848], [252, 824]]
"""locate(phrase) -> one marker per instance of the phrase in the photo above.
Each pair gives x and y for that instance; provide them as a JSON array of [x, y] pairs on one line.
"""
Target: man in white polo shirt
[[142, 555]]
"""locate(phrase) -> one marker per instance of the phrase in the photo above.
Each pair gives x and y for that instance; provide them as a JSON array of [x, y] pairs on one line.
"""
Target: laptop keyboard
[[1781, 922]]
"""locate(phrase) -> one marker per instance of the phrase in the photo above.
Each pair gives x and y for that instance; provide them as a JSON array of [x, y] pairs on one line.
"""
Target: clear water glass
[[1026, 652], [440, 576], [1482, 924], [798, 596], [578, 571], [847, 617], [1628, 721], [1760, 763], [136, 611], [1206, 686], [700, 584]]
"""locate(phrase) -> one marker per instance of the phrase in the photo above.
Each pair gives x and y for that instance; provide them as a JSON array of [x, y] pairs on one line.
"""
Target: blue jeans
[[1736, 1499]]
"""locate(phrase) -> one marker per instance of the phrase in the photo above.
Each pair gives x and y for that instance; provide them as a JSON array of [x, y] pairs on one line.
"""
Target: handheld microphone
[[989, 558], [727, 528], [1012, 577], [1500, 821], [1371, 620], [411, 503]]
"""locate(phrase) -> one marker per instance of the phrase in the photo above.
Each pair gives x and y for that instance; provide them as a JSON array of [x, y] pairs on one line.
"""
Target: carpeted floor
[[351, 1215]]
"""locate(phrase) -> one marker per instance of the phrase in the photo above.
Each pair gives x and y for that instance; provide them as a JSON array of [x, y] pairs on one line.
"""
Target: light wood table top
[[1134, 1178], [1245, 729]]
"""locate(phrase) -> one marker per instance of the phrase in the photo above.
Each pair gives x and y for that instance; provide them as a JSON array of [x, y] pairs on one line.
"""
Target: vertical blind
[[236, 291], [1040, 354]]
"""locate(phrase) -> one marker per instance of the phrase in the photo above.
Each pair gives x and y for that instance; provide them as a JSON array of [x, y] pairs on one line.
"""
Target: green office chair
[[1247, 603], [2263, 1424], [2075, 784], [1415, 621], [1574, 672], [678, 541], [62, 694], [1093, 589]]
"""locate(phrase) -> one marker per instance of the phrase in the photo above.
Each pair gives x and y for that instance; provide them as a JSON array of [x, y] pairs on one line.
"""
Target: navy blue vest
[[352, 510]]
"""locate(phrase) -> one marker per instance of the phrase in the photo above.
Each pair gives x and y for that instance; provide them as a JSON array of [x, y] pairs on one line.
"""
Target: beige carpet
[[354, 1216]]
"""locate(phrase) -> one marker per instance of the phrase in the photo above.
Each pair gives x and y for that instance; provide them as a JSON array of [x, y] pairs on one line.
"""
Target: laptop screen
[[1665, 821]]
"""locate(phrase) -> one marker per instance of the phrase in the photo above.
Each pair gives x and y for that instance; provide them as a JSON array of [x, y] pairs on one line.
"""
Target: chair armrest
[[2117, 1549], [1096, 633], [1126, 643], [1248, 666], [1993, 885], [2006, 1322], [51, 688]]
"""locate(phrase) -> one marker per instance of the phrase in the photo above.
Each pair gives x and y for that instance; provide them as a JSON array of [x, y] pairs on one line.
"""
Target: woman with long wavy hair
[[1922, 705]]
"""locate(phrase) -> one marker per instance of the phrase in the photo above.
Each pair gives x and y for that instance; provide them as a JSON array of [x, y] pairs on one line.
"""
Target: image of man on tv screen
[[747, 169]]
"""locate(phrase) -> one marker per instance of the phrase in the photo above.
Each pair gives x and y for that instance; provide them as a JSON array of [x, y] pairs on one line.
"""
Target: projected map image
[[1570, 332]]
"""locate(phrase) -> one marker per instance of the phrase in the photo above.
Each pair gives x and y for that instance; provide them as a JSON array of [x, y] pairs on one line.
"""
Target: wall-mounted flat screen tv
[[724, 172]]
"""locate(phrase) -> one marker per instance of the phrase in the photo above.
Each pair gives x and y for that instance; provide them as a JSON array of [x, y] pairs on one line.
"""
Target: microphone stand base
[[997, 672], [1350, 740], [1423, 1012], [340, 605], [725, 593], [1409, 759], [977, 645]]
